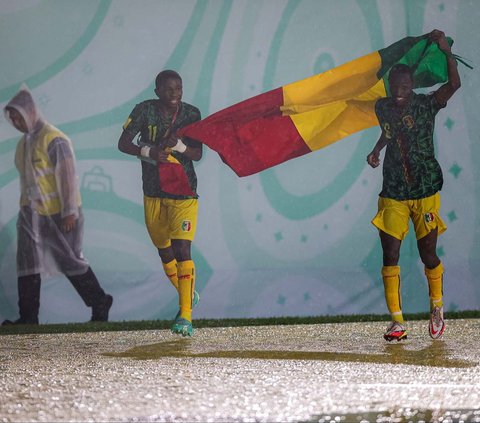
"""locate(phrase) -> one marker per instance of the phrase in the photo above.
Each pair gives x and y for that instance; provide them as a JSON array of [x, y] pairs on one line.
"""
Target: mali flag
[[304, 116]]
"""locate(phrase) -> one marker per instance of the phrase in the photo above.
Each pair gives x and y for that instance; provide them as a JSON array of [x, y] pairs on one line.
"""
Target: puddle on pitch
[[434, 355], [405, 415]]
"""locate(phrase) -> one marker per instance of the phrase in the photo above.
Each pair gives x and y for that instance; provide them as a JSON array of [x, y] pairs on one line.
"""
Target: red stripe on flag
[[173, 179], [264, 143], [252, 135]]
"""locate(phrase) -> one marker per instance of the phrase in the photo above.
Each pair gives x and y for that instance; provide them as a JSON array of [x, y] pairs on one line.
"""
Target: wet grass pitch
[[310, 372]]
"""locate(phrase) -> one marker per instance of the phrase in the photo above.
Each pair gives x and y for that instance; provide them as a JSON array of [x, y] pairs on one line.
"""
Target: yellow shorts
[[169, 219], [393, 216]]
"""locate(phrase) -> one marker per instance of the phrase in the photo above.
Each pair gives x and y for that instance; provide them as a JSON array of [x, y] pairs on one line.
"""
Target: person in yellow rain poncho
[[50, 220]]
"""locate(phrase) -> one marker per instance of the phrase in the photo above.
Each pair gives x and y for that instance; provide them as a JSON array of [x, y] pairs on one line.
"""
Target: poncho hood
[[23, 102]]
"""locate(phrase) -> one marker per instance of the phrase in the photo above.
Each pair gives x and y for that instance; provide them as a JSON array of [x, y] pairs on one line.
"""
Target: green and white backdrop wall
[[294, 240]]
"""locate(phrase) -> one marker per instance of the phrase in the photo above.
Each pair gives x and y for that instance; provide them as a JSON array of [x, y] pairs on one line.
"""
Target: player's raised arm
[[445, 92]]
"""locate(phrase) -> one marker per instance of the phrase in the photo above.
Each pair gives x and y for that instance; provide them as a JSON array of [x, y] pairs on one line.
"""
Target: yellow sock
[[435, 286], [186, 285], [170, 269], [392, 285]]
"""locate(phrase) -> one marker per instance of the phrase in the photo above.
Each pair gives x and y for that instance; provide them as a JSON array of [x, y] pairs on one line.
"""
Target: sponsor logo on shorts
[[429, 217], [186, 226]]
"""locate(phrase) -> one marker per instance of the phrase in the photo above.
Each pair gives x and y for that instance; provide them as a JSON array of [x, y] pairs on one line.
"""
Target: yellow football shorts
[[393, 216], [168, 219]]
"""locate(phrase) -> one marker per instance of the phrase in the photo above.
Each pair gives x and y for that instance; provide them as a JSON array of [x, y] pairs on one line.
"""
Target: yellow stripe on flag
[[341, 83], [326, 124], [170, 158], [337, 103]]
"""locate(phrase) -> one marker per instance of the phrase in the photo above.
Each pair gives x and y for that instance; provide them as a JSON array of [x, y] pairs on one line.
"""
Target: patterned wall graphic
[[293, 240]]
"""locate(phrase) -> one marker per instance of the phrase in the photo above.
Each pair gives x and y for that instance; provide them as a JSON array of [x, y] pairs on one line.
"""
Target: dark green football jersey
[[146, 120], [410, 169]]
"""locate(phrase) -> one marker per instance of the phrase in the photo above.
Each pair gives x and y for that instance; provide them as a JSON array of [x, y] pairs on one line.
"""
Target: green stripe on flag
[[427, 61], [392, 54]]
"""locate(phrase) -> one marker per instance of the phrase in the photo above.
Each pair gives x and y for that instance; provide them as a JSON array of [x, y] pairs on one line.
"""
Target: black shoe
[[100, 311], [19, 322]]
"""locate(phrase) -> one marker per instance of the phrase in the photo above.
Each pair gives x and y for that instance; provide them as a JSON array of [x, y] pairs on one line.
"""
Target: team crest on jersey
[[429, 217], [408, 121], [186, 226], [388, 132]]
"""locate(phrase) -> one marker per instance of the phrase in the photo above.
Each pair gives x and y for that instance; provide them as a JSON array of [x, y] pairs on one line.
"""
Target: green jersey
[[147, 120], [410, 169]]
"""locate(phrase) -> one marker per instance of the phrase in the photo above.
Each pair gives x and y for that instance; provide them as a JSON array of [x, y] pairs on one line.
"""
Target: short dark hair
[[164, 75], [400, 69]]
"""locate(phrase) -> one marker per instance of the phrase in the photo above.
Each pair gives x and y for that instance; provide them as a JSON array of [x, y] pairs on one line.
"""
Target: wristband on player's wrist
[[179, 146], [145, 151]]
